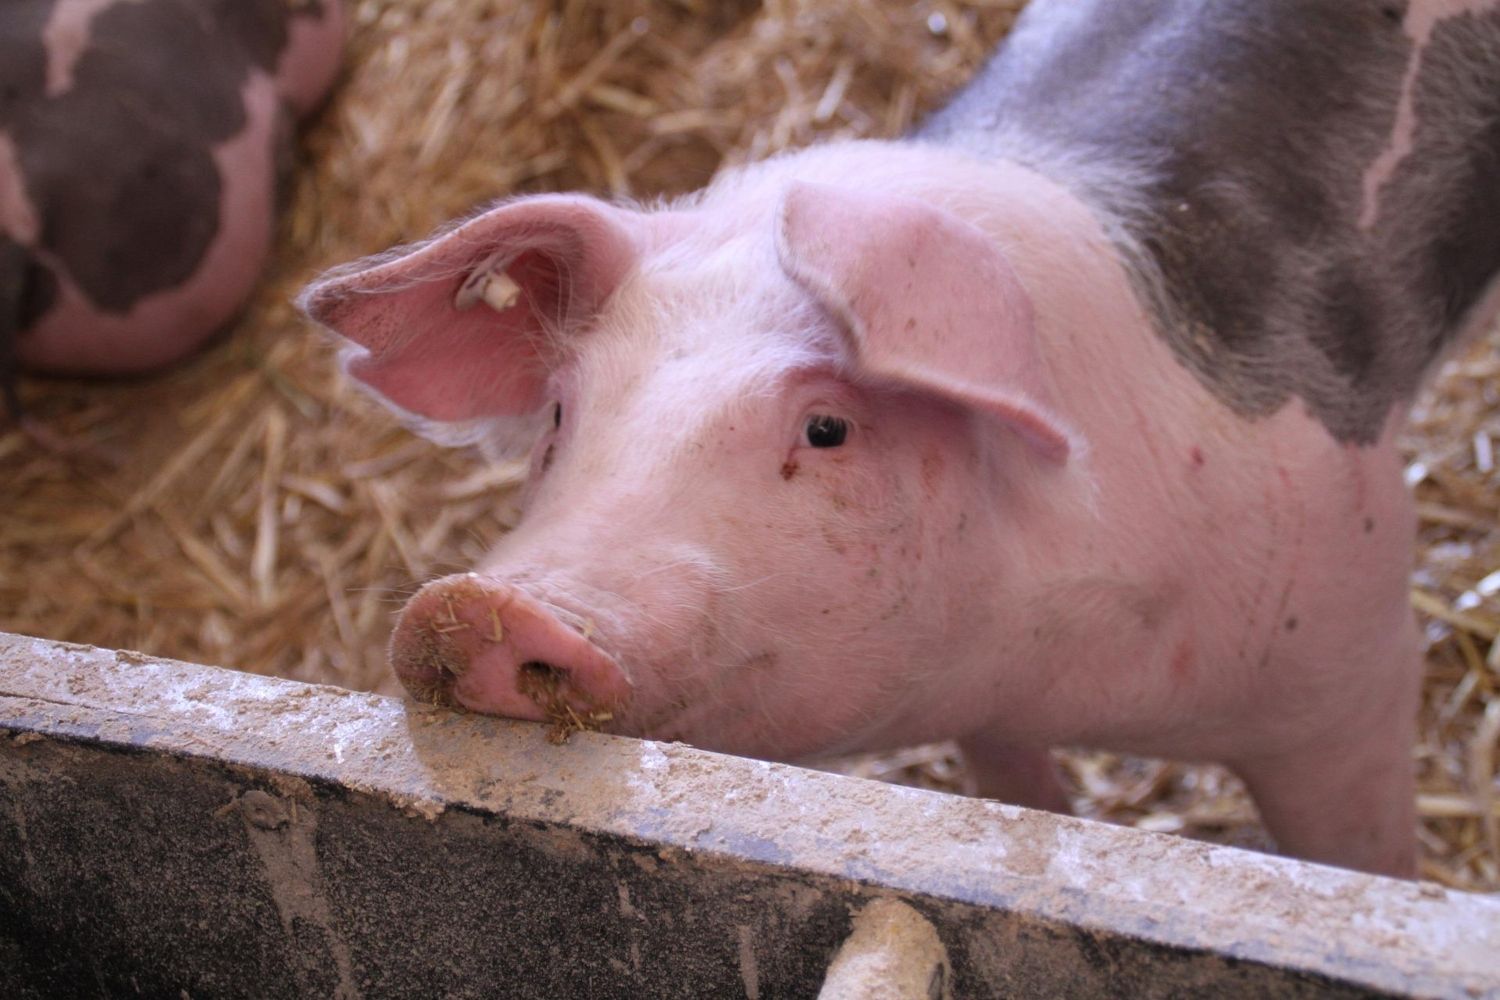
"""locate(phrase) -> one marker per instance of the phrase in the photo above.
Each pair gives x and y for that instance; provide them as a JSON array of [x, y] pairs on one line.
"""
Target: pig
[[141, 145], [1066, 420]]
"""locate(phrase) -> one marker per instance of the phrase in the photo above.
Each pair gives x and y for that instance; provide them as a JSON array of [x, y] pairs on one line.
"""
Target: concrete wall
[[174, 830]]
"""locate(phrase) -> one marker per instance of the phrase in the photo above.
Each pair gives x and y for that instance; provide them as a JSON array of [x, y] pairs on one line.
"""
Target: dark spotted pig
[[140, 147], [1066, 421]]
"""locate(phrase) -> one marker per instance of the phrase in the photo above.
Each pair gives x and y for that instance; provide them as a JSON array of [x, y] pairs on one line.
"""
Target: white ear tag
[[488, 282]]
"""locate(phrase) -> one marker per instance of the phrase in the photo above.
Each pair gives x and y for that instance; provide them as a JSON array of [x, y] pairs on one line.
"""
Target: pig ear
[[464, 327], [927, 302]]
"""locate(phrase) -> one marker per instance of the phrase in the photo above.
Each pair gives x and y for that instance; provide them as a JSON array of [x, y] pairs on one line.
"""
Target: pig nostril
[[539, 673], [432, 689], [545, 685]]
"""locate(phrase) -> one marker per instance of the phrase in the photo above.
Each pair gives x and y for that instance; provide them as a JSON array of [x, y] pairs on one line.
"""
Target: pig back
[[1314, 199]]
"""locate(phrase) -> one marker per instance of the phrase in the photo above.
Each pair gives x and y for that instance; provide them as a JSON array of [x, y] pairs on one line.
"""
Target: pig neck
[[1098, 566]]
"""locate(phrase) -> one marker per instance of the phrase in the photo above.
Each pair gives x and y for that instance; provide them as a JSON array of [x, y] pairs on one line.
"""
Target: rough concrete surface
[[175, 830]]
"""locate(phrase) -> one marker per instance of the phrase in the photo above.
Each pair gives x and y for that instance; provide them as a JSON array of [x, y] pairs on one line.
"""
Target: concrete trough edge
[[1358, 931]]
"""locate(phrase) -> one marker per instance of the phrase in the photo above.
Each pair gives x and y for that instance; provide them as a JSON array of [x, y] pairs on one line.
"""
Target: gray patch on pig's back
[[1255, 125], [119, 168], [1459, 221]]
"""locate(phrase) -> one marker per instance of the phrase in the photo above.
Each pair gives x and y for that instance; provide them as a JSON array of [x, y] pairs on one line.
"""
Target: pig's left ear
[[926, 300]]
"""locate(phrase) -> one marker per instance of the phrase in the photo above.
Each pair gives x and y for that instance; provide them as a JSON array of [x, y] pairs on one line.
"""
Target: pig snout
[[483, 644]]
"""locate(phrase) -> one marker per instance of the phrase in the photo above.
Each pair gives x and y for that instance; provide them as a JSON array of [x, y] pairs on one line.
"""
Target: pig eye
[[556, 415], [825, 432]]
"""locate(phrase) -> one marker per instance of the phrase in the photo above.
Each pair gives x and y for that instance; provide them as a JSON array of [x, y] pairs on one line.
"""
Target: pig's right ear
[[926, 302], [464, 328]]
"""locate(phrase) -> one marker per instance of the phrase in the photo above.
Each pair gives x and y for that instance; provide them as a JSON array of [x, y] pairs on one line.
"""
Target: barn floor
[[248, 509]]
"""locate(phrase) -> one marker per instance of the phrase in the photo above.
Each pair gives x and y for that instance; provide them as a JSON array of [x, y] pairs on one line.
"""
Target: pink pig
[[881, 443]]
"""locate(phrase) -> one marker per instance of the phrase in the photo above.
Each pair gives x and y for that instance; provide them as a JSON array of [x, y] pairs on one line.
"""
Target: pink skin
[[75, 336], [957, 567]]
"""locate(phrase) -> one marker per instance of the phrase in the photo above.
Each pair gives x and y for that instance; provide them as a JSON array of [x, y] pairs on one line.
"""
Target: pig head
[[758, 444]]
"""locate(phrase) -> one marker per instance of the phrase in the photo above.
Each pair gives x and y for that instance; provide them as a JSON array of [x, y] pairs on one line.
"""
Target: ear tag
[[488, 283]]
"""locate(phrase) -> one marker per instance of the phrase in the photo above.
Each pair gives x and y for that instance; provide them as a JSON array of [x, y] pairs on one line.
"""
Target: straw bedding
[[249, 509]]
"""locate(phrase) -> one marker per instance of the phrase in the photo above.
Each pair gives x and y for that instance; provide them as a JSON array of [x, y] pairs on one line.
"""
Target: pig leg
[[1348, 797], [1021, 776]]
